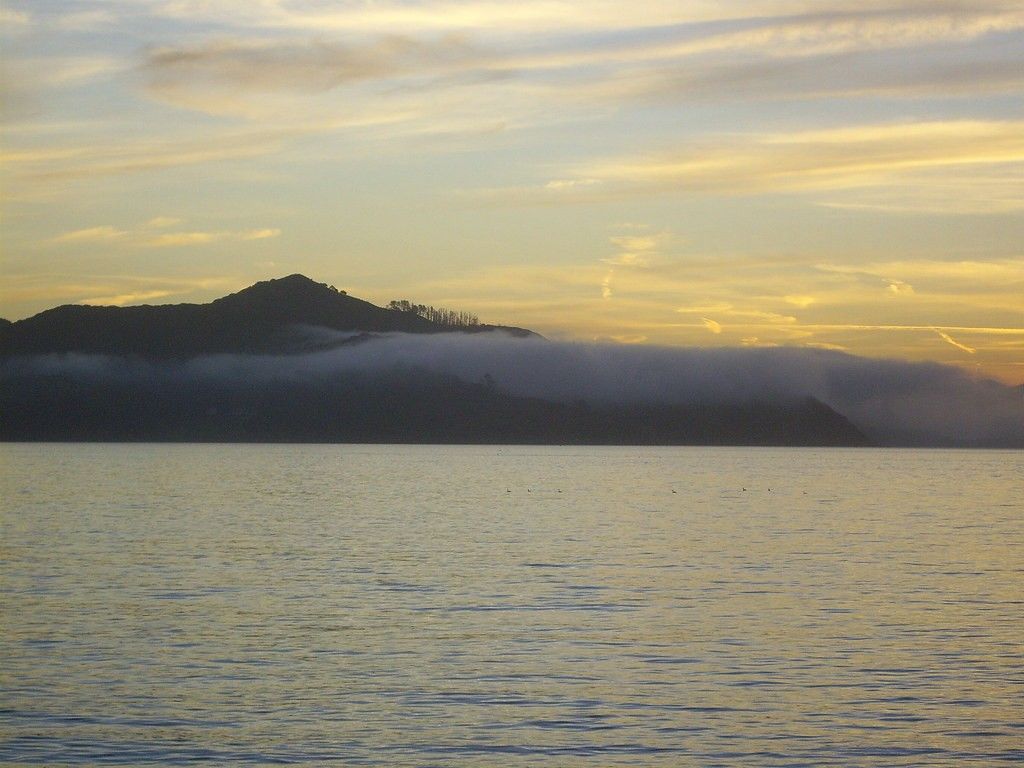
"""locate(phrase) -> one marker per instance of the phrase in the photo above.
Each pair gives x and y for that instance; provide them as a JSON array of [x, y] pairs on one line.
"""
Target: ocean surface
[[526, 606]]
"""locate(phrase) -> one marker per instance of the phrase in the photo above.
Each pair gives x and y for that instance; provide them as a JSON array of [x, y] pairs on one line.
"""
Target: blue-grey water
[[494, 606]]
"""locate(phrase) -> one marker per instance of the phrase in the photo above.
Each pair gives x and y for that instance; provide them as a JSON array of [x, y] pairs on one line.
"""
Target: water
[[490, 606]]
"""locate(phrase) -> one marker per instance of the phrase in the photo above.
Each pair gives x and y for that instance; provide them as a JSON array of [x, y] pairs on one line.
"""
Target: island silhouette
[[258, 319], [179, 373]]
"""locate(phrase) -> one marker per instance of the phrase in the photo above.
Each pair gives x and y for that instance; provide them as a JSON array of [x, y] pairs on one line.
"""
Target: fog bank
[[894, 402]]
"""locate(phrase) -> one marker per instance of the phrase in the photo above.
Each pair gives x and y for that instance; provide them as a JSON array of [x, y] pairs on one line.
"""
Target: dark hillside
[[146, 373], [258, 319], [402, 406]]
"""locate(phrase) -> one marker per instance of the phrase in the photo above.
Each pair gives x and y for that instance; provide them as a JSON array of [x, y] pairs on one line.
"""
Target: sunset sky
[[822, 173]]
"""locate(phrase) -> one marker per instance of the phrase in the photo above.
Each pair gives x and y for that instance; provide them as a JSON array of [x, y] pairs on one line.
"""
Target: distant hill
[[397, 406], [260, 319], [146, 373]]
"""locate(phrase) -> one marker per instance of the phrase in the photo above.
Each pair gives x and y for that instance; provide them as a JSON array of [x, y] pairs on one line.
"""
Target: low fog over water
[[892, 401]]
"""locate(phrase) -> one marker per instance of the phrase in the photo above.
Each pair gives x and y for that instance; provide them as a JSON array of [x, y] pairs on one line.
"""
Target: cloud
[[52, 166], [620, 108], [51, 289], [857, 318], [898, 288], [556, 184], [800, 301], [825, 345], [478, 69], [259, 234], [86, 161], [711, 325], [626, 259], [831, 32], [895, 402], [312, 65], [950, 340], [961, 281], [101, 234], [802, 59], [181, 239], [861, 156], [723, 308], [539, 60], [175, 239], [529, 17], [700, 309], [849, 306], [636, 250], [638, 242], [977, 189], [834, 19], [143, 237], [794, 51], [904, 159], [916, 328], [126, 298], [233, 76]]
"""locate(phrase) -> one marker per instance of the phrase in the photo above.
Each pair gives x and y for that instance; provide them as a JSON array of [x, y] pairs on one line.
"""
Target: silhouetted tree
[[447, 317]]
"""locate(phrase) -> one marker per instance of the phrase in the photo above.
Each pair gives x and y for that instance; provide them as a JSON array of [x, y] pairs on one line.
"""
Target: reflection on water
[[457, 606]]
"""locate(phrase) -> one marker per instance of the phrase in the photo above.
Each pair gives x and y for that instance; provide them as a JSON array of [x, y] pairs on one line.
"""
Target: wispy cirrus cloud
[[530, 16], [107, 289], [145, 237], [712, 325], [914, 17], [680, 298], [953, 342], [902, 159], [427, 66], [308, 65], [939, 276], [120, 299], [86, 160], [726, 309], [541, 57], [859, 156], [101, 234], [635, 249], [38, 169], [179, 239]]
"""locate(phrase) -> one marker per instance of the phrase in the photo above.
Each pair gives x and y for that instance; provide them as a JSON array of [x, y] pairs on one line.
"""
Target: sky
[[808, 173]]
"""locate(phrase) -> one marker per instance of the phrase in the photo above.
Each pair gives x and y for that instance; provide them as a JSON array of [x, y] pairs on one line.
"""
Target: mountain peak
[[254, 319], [295, 280], [294, 286]]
